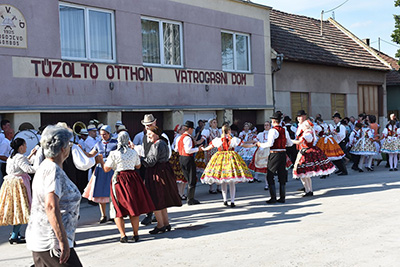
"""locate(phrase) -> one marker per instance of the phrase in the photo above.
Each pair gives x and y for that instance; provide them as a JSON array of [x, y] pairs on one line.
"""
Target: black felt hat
[[189, 124], [301, 112], [276, 116], [287, 119], [336, 115]]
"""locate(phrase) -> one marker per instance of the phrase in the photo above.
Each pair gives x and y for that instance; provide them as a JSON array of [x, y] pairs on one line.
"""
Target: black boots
[[272, 192], [282, 193]]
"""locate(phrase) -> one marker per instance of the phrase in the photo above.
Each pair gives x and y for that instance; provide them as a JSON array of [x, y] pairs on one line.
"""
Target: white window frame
[[161, 40], [234, 52], [87, 34]]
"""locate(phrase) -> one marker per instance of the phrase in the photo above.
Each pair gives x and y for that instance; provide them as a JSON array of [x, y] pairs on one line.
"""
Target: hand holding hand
[[131, 144], [99, 158]]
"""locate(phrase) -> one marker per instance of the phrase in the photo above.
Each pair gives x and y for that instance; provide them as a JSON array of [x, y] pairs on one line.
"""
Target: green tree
[[396, 31]]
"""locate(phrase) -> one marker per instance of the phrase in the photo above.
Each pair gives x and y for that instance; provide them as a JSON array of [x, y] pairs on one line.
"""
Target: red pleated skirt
[[131, 195]]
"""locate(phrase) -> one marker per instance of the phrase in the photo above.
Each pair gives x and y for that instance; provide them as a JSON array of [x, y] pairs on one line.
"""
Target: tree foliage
[[396, 31]]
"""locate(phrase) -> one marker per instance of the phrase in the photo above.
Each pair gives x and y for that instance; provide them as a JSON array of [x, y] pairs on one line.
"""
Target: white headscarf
[[123, 141]]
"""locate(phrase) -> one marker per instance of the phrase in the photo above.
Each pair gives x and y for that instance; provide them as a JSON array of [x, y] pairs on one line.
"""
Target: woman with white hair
[[128, 193], [55, 204], [310, 161]]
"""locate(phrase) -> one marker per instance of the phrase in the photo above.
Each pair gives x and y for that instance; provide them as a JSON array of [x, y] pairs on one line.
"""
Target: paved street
[[351, 221]]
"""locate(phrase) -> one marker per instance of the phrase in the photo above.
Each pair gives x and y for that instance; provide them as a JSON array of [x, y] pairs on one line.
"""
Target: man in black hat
[[186, 149], [339, 134], [278, 140]]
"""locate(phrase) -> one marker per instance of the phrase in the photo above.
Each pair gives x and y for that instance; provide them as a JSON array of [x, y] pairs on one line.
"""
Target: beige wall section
[[172, 118], [320, 104], [17, 119], [230, 6], [352, 105], [225, 115], [111, 118], [282, 102], [264, 115]]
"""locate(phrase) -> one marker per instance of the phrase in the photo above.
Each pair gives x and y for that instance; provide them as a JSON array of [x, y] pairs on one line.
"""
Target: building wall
[[321, 81], [202, 24]]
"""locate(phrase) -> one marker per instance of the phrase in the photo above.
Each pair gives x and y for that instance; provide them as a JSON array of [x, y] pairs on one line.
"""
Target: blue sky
[[364, 18]]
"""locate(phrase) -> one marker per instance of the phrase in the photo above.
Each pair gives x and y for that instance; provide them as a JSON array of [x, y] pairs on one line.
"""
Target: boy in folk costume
[[339, 134], [278, 140]]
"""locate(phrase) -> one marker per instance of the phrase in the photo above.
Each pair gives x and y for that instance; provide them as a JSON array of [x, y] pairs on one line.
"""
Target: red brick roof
[[298, 38], [393, 77]]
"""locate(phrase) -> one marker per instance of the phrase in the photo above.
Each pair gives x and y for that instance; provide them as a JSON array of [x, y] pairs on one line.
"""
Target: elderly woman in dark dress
[[160, 180]]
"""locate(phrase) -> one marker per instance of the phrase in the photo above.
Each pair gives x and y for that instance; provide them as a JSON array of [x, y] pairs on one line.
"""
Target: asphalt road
[[350, 221]]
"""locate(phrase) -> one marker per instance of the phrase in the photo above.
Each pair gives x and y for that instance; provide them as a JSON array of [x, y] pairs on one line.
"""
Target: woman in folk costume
[[375, 128], [128, 193], [248, 137], [15, 192], [174, 161], [311, 161], [160, 180], [365, 148], [260, 159], [226, 167], [208, 135], [355, 135], [391, 144], [98, 188], [326, 142]]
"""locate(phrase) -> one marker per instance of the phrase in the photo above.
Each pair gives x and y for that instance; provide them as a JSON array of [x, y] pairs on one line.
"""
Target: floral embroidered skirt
[[247, 154], [226, 166], [364, 147], [391, 145], [14, 201], [331, 148], [200, 160], [176, 167], [312, 162]]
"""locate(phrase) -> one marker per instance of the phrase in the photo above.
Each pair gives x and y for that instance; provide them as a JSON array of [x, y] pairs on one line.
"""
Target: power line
[[398, 46], [336, 7]]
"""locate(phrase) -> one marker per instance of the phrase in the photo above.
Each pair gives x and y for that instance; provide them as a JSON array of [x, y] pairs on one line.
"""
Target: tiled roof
[[393, 77], [298, 38]]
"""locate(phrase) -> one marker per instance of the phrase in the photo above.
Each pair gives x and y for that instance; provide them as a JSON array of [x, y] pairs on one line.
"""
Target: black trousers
[[45, 259], [277, 164], [292, 153], [340, 163], [188, 167]]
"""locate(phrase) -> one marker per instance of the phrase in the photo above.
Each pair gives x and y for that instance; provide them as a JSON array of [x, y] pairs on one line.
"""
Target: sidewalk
[[351, 221]]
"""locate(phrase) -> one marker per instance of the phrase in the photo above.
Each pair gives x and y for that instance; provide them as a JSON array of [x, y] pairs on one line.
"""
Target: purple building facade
[[118, 60]]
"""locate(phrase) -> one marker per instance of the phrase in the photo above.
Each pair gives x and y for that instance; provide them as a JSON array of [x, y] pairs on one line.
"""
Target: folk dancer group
[[115, 175]]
